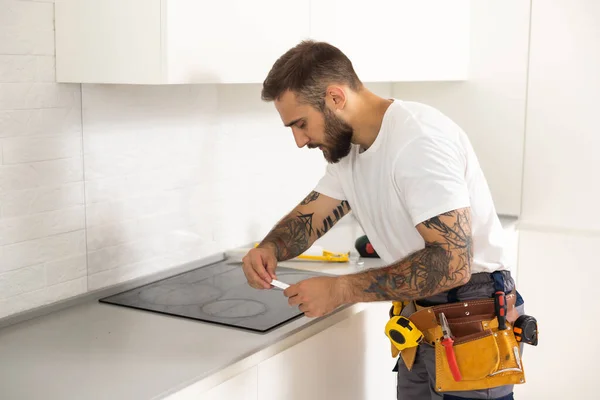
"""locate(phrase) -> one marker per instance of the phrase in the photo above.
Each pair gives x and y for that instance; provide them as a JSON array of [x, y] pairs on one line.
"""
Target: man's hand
[[315, 297], [312, 218], [259, 267]]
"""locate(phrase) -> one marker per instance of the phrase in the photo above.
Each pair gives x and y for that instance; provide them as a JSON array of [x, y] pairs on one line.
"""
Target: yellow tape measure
[[402, 332]]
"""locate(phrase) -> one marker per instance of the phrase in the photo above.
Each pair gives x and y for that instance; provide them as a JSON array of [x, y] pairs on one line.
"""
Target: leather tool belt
[[485, 355]]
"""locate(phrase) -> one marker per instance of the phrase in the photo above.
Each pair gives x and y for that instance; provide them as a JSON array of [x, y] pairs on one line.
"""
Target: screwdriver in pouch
[[501, 309]]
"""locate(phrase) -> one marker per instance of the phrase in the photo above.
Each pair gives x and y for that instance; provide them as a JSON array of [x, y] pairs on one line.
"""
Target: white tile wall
[[26, 27], [22, 68], [18, 96], [40, 122], [178, 173], [42, 214], [30, 149], [14, 203]]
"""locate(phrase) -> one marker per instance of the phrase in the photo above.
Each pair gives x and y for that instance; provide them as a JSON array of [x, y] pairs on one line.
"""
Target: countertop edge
[[194, 388]]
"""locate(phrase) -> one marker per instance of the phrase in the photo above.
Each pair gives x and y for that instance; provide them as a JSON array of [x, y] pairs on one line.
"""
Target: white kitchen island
[[99, 351]]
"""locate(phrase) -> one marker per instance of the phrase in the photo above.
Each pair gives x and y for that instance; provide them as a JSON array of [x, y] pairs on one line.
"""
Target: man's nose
[[300, 138]]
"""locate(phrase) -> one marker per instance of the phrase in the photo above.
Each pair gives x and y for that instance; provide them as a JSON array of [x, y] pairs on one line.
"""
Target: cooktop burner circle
[[179, 294], [234, 308]]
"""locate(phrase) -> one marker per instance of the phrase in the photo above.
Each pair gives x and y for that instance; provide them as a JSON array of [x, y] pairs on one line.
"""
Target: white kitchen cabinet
[[240, 387], [174, 41], [398, 40], [350, 361], [236, 41], [560, 182], [566, 263]]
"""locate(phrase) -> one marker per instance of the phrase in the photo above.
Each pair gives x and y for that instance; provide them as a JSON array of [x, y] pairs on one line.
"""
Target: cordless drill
[[365, 248]]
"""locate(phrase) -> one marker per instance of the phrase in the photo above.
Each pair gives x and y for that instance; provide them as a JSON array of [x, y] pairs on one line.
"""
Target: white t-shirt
[[420, 165]]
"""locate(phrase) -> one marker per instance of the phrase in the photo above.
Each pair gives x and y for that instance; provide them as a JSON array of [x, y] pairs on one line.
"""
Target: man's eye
[[301, 125]]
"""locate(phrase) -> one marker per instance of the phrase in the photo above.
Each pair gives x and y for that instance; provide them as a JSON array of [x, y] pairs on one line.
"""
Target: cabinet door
[[350, 361], [240, 387], [108, 41], [175, 41], [560, 187], [231, 41], [397, 40]]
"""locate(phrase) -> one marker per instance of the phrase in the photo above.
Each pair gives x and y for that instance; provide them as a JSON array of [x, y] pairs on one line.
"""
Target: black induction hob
[[218, 293]]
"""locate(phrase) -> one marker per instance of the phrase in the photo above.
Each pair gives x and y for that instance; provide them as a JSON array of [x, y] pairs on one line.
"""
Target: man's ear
[[335, 97]]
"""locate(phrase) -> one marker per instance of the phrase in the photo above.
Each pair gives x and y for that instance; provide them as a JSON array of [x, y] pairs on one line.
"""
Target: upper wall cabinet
[[398, 40], [237, 41], [174, 41]]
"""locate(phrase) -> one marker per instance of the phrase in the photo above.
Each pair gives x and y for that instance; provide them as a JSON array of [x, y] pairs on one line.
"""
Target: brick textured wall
[[42, 213]]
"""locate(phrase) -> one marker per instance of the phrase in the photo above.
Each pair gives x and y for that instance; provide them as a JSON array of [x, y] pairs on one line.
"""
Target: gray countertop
[[95, 351], [98, 351]]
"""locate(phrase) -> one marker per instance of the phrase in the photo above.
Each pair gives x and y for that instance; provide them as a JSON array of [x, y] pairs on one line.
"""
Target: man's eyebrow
[[292, 122]]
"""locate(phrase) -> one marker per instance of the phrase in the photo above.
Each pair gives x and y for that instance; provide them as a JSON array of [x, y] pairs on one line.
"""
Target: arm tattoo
[[291, 237], [338, 213], [312, 196], [444, 263], [295, 233]]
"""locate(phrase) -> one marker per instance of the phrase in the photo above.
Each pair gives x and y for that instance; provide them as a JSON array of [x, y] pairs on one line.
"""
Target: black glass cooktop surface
[[217, 293]]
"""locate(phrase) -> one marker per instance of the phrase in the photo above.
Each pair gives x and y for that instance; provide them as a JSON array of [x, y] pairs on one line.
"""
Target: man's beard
[[338, 138]]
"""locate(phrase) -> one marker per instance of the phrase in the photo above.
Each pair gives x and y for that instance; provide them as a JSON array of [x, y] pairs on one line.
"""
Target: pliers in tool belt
[[448, 343]]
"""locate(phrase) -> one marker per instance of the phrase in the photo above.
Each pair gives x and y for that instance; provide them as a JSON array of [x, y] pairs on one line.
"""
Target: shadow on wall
[[175, 173], [146, 159], [263, 175]]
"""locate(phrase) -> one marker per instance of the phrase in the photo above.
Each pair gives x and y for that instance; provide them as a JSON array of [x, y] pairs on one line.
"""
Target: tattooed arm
[[444, 263], [308, 221], [293, 234]]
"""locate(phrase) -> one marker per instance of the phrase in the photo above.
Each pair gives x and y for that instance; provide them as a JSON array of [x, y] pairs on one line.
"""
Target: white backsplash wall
[[42, 216], [175, 173]]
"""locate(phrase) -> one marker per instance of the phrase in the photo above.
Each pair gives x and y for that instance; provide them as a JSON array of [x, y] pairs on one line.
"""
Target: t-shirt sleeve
[[430, 175], [330, 184]]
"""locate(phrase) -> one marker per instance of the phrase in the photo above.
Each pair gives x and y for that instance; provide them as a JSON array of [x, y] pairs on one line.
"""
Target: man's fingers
[[292, 301], [254, 280], [305, 309], [292, 291], [257, 264], [271, 266]]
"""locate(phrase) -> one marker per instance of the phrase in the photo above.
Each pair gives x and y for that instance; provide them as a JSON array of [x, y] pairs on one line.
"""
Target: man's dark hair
[[307, 69]]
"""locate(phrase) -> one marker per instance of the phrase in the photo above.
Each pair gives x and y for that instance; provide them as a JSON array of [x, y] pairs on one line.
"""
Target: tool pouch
[[486, 357]]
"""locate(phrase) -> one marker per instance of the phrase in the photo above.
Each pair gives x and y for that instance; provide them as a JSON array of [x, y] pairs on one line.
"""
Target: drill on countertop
[[365, 248]]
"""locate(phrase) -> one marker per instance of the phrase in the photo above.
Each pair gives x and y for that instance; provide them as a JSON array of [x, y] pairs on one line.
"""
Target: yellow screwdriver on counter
[[327, 256]]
